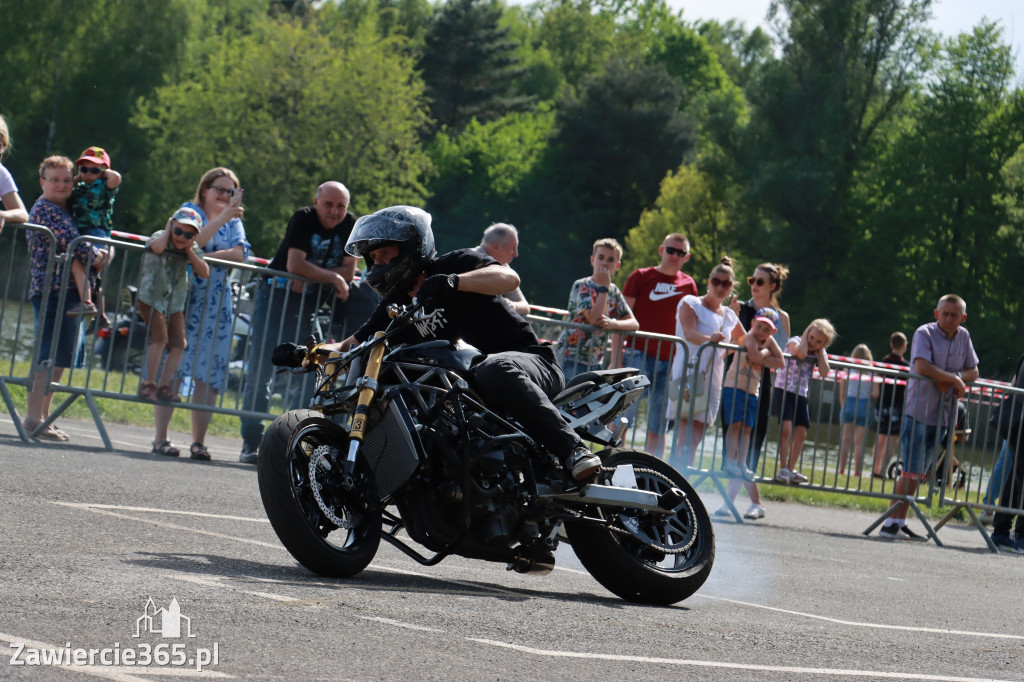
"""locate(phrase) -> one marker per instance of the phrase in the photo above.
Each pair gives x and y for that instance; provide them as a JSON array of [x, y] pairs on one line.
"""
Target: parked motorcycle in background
[[396, 438]]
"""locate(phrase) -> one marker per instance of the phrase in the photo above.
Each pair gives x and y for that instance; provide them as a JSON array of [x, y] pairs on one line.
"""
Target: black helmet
[[405, 226]]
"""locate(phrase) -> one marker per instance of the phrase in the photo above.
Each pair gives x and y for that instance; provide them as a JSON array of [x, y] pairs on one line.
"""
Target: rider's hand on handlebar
[[437, 290], [288, 355]]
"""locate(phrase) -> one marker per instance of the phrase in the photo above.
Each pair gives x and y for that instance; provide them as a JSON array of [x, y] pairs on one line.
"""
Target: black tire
[[303, 528], [631, 569]]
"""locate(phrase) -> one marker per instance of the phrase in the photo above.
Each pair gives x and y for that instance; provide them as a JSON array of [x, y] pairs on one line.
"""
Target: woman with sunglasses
[[210, 310], [697, 373], [765, 287]]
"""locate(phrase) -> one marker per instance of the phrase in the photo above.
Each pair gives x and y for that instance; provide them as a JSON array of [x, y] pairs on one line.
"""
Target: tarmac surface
[[91, 536]]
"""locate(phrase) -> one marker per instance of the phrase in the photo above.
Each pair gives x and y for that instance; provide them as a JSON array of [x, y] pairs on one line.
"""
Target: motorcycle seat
[[603, 376]]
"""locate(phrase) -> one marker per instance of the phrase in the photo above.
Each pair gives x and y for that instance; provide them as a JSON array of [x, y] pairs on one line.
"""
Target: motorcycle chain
[[650, 545], [319, 454]]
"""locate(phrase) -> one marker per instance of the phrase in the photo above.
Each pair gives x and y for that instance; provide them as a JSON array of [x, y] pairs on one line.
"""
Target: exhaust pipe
[[524, 563]]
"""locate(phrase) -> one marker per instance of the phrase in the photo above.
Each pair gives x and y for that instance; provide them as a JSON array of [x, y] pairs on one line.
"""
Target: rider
[[518, 374]]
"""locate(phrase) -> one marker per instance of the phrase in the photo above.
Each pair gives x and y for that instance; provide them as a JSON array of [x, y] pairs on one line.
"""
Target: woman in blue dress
[[210, 312]]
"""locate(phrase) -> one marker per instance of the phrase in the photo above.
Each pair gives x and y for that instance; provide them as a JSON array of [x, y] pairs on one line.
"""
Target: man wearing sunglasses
[[652, 294], [314, 248]]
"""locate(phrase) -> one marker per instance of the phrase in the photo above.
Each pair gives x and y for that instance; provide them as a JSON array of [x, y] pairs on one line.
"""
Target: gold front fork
[[366, 393]]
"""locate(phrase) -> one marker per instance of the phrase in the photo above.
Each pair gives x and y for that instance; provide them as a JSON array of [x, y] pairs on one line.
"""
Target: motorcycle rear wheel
[[627, 566], [303, 528]]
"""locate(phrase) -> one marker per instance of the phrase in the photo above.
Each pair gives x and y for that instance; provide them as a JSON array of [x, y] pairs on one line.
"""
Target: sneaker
[[582, 463], [889, 531], [723, 511], [910, 534], [249, 456], [986, 517], [82, 309], [756, 511], [1005, 543], [782, 476], [796, 477]]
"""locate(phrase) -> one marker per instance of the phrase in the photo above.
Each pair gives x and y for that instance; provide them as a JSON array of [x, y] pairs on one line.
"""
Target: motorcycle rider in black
[[518, 374]]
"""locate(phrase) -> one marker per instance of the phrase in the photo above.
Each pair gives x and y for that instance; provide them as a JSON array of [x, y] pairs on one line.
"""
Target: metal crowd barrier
[[961, 476], [115, 373]]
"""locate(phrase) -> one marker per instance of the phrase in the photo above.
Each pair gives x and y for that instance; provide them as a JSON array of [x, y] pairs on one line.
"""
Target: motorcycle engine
[[495, 492]]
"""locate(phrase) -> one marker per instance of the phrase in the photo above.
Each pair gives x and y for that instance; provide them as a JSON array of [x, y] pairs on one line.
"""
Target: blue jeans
[[71, 339], [999, 473], [658, 372]]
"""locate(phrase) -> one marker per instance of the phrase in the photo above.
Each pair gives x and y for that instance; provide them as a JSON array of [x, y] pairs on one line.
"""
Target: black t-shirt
[[486, 322], [891, 395], [323, 247]]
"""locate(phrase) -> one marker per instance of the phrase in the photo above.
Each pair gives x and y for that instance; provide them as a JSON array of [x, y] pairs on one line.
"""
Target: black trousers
[[1012, 493], [521, 385]]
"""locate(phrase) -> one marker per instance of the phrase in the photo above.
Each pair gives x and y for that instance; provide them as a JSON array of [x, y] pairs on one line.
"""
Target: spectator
[[208, 324], [313, 247], [765, 286], [50, 211], [701, 321], [856, 391], [92, 207], [163, 287], [888, 414], [653, 294], [595, 301], [13, 209], [501, 242], [1011, 493], [943, 353], [789, 397], [740, 392]]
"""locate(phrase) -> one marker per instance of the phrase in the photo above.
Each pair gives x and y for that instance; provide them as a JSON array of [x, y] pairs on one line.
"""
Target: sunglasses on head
[[187, 234], [673, 251], [715, 282], [90, 170]]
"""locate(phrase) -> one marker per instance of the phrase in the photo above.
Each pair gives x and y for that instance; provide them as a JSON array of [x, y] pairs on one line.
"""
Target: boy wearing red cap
[[92, 208]]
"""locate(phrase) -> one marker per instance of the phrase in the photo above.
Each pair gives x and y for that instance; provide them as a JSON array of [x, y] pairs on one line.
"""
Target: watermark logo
[[166, 622]]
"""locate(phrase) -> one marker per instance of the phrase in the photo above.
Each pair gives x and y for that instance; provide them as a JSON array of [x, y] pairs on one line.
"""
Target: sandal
[[166, 395], [147, 391], [51, 432], [164, 447], [199, 451]]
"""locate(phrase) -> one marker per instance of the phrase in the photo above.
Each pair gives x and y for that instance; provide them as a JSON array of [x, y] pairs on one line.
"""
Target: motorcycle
[[122, 345], [396, 437]]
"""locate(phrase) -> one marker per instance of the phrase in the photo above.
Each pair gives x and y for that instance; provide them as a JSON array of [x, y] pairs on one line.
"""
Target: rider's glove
[[288, 355], [437, 290]]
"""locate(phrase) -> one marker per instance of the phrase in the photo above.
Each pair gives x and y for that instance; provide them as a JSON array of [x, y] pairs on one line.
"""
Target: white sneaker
[[723, 510], [987, 517], [756, 511], [796, 477], [782, 476]]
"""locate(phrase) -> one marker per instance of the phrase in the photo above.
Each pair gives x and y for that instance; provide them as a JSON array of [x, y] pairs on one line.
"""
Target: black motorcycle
[[397, 437], [122, 345]]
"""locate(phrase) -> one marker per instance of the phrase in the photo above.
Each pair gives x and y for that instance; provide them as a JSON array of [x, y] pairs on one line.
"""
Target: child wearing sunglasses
[[92, 209], [163, 289]]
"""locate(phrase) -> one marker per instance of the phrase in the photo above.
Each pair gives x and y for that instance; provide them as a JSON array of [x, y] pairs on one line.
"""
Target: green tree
[[469, 64], [288, 107]]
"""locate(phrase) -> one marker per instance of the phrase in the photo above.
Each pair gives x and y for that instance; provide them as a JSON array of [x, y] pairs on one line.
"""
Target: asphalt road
[[90, 536]]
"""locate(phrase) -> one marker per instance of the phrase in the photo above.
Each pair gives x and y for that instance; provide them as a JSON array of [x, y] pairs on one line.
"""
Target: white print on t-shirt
[[427, 326], [663, 290]]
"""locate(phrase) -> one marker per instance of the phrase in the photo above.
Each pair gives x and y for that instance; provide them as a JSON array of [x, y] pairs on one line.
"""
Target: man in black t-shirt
[[463, 289], [314, 248]]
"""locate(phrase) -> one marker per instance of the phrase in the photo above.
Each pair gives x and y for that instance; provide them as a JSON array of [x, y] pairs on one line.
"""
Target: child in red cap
[[92, 208]]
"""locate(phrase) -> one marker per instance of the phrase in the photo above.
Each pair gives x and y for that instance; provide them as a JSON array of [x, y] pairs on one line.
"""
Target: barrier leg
[[13, 411], [98, 420]]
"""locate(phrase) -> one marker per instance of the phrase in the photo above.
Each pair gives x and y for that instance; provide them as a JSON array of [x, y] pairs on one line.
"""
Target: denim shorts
[[791, 407], [738, 406], [855, 411], [71, 342], [920, 444]]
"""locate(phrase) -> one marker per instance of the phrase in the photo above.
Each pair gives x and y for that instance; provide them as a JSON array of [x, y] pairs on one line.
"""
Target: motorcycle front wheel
[[643, 558], [316, 542]]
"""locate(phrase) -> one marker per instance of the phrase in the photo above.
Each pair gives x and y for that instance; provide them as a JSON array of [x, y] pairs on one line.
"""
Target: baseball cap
[[96, 155], [768, 315], [188, 216]]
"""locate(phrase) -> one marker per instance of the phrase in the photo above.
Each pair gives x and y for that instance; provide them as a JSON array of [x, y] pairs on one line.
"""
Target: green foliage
[[287, 109], [469, 66]]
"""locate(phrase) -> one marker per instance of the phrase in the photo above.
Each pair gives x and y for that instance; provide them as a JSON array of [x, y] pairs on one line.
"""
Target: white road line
[[216, 582], [879, 626], [836, 672], [398, 623], [154, 510], [123, 673]]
